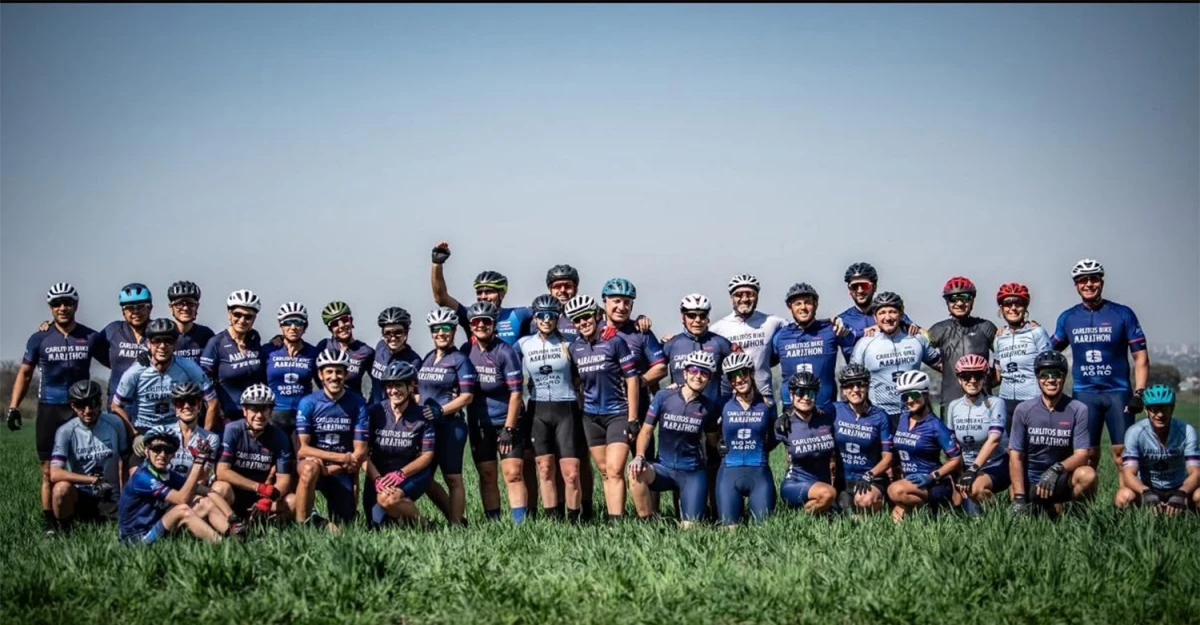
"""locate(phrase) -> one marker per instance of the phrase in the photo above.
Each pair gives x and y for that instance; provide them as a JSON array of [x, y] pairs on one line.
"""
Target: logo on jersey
[[291, 377], [1093, 356]]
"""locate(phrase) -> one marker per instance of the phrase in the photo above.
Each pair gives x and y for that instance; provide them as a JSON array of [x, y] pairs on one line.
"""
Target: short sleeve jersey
[[1046, 436], [290, 377], [511, 323], [332, 425], [233, 370], [810, 447], [1100, 341], [921, 444], [753, 336], [1161, 465], [647, 353], [498, 376], [684, 343], [383, 358], [398, 440], [955, 338], [858, 321], [886, 357], [861, 440], [191, 343], [95, 450], [145, 393], [63, 360], [1014, 353], [973, 423], [143, 501], [547, 366], [681, 426], [362, 359], [747, 432], [443, 380], [602, 368], [117, 348], [182, 462], [814, 349], [252, 458]]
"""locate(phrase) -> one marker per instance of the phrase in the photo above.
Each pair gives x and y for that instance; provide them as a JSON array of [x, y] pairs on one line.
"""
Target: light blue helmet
[[619, 287], [134, 293], [1158, 395]]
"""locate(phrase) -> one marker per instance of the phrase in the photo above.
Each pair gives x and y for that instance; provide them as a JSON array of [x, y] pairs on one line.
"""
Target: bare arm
[[514, 410], [885, 463], [1141, 369], [212, 415], [1130, 479], [458, 403], [441, 296], [985, 452], [120, 412], [631, 392], [643, 439], [307, 450], [21, 385], [184, 495], [1078, 459], [423, 461], [226, 474], [951, 466], [60, 474], [1192, 482], [1016, 471], [656, 373]]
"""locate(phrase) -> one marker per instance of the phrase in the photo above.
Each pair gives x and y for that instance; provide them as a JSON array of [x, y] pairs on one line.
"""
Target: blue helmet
[[1158, 395], [619, 287], [134, 293]]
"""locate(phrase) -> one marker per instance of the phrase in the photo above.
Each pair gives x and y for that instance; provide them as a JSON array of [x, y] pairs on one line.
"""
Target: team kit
[[208, 433]]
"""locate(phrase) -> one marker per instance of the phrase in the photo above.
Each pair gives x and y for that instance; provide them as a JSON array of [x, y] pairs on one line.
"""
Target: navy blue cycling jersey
[[443, 380], [498, 375], [813, 348], [332, 424], [511, 323], [397, 441], [684, 343], [810, 447], [252, 458], [602, 368], [1099, 340], [858, 321], [920, 445], [117, 348], [1046, 436], [647, 353], [682, 425], [362, 358], [64, 359], [233, 369], [861, 441], [143, 501], [383, 358], [290, 377], [747, 432], [566, 328], [191, 343]]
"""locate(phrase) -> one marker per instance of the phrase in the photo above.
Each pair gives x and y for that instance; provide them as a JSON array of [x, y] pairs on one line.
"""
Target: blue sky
[[317, 152]]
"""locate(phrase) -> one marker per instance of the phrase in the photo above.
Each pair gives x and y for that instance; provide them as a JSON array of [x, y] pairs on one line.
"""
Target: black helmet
[[547, 303], [180, 390], [183, 289], [480, 310], [887, 299], [1050, 359], [491, 280], [804, 380], [162, 327], [161, 433], [861, 270], [398, 371], [395, 315], [562, 272], [853, 373], [797, 290], [84, 390]]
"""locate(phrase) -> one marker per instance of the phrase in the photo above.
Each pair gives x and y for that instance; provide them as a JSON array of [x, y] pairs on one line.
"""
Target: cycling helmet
[[743, 279], [491, 280], [580, 306], [547, 303], [694, 301], [804, 380], [398, 371], [798, 290], [702, 359], [334, 311], [292, 310], [561, 272], [1012, 289], [619, 287], [183, 289], [971, 362], [84, 390], [887, 299], [482, 310], [861, 270], [736, 361], [912, 381], [1050, 359], [1158, 395], [180, 390], [243, 298], [853, 373], [62, 290], [394, 315], [957, 286], [162, 327], [442, 315], [161, 433], [1087, 267], [134, 293], [258, 395], [332, 357]]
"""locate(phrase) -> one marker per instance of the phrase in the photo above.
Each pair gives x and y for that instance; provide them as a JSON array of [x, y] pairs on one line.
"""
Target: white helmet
[[702, 359], [441, 315], [292, 310], [243, 298], [579, 306], [695, 301], [743, 279], [912, 381], [1087, 267], [258, 395], [736, 361], [331, 357], [62, 290]]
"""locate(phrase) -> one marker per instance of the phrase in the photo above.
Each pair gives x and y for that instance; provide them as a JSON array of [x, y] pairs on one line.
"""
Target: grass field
[[1092, 567]]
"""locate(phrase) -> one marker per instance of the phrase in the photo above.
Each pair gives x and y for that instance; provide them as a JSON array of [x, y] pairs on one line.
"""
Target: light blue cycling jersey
[[1014, 353], [94, 450], [182, 461], [145, 393], [547, 366], [886, 357], [1161, 466], [972, 422]]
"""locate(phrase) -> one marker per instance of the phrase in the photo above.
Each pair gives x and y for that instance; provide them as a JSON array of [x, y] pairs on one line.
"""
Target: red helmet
[[971, 362], [1012, 289], [956, 285]]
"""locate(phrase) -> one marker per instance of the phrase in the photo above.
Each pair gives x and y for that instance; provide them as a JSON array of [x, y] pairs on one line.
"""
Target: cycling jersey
[[1161, 466], [858, 321], [143, 501], [233, 370], [117, 348], [362, 358], [398, 440], [813, 348], [746, 432], [565, 327], [252, 458], [383, 358], [810, 448], [182, 461], [191, 343], [498, 376], [684, 343], [95, 450], [920, 445], [861, 440], [547, 366], [753, 335], [511, 323], [1014, 353], [290, 377], [647, 353], [886, 357], [602, 367], [682, 425], [63, 359], [955, 338], [332, 424], [145, 392], [973, 423], [443, 380], [1099, 340], [1047, 436]]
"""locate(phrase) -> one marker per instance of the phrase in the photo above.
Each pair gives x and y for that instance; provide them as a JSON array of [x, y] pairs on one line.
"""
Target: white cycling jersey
[[752, 334]]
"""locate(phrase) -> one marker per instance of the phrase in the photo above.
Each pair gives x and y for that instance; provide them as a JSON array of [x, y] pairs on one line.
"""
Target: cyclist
[[233, 358], [144, 394], [959, 335], [861, 282], [977, 421], [563, 283], [750, 329], [809, 344], [331, 424], [610, 403], [1161, 463], [400, 460], [889, 352], [694, 310], [746, 422], [490, 286], [446, 384], [863, 435], [493, 416], [920, 441], [1048, 445], [394, 323], [290, 367], [257, 465], [1017, 344], [87, 464], [157, 500], [187, 399], [184, 299], [1100, 332], [63, 355], [553, 408], [121, 342], [340, 320], [807, 433]]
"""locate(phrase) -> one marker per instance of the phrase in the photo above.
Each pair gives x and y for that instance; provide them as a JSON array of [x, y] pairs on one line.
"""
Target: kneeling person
[[157, 500], [920, 440], [250, 448], [401, 449], [807, 433], [1161, 459], [88, 459]]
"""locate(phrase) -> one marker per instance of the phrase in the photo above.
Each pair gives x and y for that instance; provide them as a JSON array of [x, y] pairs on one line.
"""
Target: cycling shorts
[[606, 429], [691, 485], [737, 484], [50, 417], [449, 444], [338, 491], [1107, 408], [484, 446], [554, 428]]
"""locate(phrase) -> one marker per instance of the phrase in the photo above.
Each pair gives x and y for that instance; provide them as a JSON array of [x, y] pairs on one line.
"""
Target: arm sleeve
[[462, 318], [127, 390], [1081, 426], [285, 460], [33, 349], [625, 358], [1016, 438], [303, 416], [362, 424], [653, 350], [1061, 337], [946, 440], [1191, 447], [466, 376], [61, 449], [655, 407], [1133, 332], [996, 416]]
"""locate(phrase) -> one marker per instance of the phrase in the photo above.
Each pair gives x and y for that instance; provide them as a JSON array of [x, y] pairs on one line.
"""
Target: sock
[[589, 510], [613, 518], [554, 514], [560, 509], [573, 516], [518, 515], [492, 515], [49, 521]]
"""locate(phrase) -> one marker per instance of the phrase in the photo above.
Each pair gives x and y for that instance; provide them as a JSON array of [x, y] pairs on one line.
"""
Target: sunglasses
[[242, 316], [693, 316], [445, 327], [912, 396], [1051, 375], [185, 303], [562, 284], [482, 321], [1012, 302], [84, 405], [341, 321], [582, 318], [861, 286], [970, 377], [187, 401], [1089, 280], [59, 303], [855, 385], [694, 370], [482, 292], [546, 316], [806, 393], [161, 449], [739, 374], [161, 340], [961, 298], [292, 322], [391, 334], [136, 307]]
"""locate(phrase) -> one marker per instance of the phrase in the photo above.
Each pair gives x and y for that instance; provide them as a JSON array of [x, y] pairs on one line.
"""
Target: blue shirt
[[647, 353], [1100, 342], [290, 377], [117, 348], [681, 428], [813, 348], [747, 432], [974, 423], [1014, 353], [383, 358], [145, 394], [332, 424], [498, 376], [64, 359], [861, 441], [252, 458], [143, 501], [447, 378], [1161, 466], [398, 441], [362, 359], [511, 323], [810, 447], [234, 370], [920, 445], [191, 344], [858, 321], [602, 368], [684, 343], [547, 365], [886, 357]]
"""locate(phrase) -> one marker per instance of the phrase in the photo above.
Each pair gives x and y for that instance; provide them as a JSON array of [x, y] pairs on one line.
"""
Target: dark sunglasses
[[970, 377], [292, 322], [1012, 301], [240, 316], [694, 370], [740, 373], [693, 316], [162, 340], [187, 401], [161, 449], [806, 393], [1051, 375], [911, 396], [59, 303], [445, 327], [185, 303], [855, 385], [1089, 280], [546, 316], [961, 298], [341, 321], [861, 286], [84, 405], [583, 317], [482, 321], [391, 334]]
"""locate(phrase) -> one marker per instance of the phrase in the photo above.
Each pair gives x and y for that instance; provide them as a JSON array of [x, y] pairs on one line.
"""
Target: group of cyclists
[[211, 431]]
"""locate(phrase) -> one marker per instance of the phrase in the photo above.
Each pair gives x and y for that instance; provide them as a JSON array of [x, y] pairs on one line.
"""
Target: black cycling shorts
[[483, 438], [555, 428], [50, 417], [284, 420], [605, 429]]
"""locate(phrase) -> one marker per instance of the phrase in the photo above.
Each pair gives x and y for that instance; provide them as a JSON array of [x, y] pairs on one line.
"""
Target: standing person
[[340, 320], [290, 367], [861, 282], [1161, 463], [1100, 334], [87, 466], [809, 344], [959, 335], [807, 433], [394, 324], [694, 311], [746, 422], [233, 358], [977, 421], [490, 286], [251, 449], [889, 352], [401, 449], [1018, 342], [751, 329], [183, 298], [863, 435], [63, 356], [121, 342], [920, 441], [563, 283], [144, 393]]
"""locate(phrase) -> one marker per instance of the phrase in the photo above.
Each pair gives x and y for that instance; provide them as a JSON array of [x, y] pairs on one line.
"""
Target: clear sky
[[317, 152]]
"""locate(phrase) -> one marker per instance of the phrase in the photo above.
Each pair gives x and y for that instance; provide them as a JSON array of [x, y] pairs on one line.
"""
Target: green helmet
[[334, 311], [1158, 395]]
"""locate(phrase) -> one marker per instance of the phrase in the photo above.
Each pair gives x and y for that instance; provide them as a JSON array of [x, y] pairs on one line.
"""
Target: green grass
[[1092, 567]]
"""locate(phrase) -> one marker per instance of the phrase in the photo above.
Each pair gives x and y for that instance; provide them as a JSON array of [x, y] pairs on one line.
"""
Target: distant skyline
[[318, 152]]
